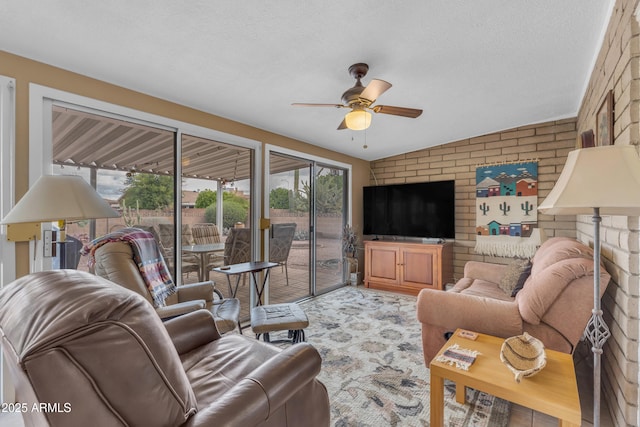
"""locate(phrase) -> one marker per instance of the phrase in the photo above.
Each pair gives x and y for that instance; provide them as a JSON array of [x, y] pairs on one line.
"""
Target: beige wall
[[616, 69], [26, 71], [549, 143]]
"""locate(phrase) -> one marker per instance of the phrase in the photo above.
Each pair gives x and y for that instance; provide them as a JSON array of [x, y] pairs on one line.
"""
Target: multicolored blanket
[[146, 255]]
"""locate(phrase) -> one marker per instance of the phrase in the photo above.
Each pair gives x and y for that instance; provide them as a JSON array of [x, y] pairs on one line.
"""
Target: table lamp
[[55, 198], [599, 180]]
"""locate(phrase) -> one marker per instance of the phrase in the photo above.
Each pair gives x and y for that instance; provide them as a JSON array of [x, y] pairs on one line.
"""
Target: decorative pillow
[[515, 270], [523, 278]]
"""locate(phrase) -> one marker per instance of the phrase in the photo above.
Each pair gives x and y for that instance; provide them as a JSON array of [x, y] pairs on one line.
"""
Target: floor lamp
[[597, 181], [55, 198]]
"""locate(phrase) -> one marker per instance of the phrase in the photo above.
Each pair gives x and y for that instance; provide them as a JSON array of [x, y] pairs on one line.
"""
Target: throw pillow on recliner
[[523, 278], [517, 273]]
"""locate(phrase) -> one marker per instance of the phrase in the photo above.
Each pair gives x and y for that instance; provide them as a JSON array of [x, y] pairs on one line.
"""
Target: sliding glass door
[[311, 197], [133, 166], [330, 219], [129, 164], [290, 204], [216, 198]]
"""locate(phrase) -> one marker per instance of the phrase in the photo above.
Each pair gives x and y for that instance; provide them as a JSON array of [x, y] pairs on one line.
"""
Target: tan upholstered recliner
[[100, 356], [114, 261], [554, 305]]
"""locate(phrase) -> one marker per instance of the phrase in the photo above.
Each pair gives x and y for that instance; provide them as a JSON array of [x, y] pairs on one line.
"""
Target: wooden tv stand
[[407, 267]]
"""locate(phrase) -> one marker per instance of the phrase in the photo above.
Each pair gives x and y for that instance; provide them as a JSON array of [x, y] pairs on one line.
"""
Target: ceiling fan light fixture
[[358, 119]]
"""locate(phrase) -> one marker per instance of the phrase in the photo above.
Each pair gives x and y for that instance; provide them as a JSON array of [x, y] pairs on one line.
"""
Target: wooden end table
[[552, 391]]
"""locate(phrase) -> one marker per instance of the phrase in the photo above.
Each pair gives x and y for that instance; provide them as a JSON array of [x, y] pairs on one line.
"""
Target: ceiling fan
[[360, 99]]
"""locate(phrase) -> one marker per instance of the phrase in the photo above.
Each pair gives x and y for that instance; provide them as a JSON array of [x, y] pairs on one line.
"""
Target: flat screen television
[[425, 209]]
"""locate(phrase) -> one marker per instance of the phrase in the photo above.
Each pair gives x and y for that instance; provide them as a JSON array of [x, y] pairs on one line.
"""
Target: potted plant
[[349, 250], [349, 241]]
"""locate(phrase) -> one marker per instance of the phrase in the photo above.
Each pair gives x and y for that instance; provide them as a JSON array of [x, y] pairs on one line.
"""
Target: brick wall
[[617, 69], [549, 143]]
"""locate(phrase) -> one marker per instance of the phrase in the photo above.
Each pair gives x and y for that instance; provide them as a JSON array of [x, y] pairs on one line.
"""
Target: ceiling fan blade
[[299, 104], [397, 111], [343, 125], [374, 89]]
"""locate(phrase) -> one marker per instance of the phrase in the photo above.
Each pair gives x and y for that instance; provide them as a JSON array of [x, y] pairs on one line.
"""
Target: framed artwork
[[604, 121], [587, 139]]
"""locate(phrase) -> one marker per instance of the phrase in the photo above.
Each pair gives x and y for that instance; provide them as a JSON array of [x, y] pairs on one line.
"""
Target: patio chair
[[237, 248], [205, 234], [72, 248], [164, 237], [280, 245]]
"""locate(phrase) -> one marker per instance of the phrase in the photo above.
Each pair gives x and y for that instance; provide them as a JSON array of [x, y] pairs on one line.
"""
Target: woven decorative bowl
[[524, 355]]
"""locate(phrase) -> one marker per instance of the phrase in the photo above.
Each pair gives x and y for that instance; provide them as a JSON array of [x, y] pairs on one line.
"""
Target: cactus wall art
[[506, 200]]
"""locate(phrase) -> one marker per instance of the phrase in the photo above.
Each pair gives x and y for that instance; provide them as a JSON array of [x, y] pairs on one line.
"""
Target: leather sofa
[[97, 354], [554, 304]]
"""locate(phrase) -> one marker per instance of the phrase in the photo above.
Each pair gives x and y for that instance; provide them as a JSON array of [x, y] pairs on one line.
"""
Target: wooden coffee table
[[552, 391]]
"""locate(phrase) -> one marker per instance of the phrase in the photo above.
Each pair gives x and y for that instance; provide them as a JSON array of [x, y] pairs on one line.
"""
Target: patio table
[[203, 251]]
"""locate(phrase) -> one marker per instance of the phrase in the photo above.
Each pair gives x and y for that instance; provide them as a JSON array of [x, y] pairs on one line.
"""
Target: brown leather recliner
[[98, 355], [114, 261]]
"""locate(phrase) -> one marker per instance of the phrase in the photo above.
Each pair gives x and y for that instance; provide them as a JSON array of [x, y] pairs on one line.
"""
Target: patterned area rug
[[372, 363]]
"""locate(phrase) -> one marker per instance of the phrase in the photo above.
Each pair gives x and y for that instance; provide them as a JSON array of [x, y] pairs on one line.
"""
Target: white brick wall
[[617, 69]]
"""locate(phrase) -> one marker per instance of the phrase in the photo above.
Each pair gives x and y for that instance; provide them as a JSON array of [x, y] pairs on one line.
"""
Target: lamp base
[[597, 331]]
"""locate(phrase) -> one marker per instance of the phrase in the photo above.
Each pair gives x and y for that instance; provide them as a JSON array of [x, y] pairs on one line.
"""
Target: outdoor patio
[[329, 272], [329, 275]]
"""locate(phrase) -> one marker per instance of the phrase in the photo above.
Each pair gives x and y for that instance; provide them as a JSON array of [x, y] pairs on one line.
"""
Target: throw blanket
[[146, 255]]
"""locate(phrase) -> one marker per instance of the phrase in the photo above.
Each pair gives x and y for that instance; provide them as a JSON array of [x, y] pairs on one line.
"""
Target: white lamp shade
[[59, 197], [599, 177], [358, 119]]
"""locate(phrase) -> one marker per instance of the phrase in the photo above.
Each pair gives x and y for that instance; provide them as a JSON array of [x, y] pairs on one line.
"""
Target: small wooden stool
[[279, 317]]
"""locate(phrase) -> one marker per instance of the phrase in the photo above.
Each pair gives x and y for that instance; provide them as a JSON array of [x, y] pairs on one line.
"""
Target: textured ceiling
[[474, 67]]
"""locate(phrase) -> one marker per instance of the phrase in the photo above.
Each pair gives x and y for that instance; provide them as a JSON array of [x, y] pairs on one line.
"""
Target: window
[[116, 147], [7, 253]]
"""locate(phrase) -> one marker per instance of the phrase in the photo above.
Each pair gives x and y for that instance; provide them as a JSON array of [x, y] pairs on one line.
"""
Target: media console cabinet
[[407, 267]]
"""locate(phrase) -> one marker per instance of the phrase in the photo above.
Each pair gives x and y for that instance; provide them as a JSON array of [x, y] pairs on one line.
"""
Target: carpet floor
[[373, 367]]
